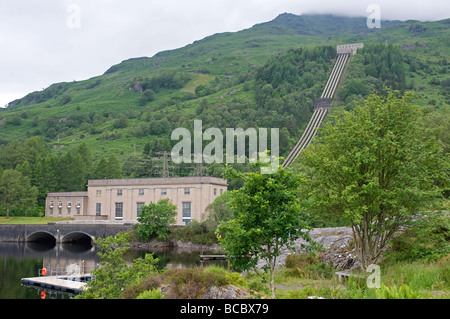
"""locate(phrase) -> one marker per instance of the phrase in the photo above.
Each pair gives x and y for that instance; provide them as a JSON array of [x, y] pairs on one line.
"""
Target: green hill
[[264, 76]]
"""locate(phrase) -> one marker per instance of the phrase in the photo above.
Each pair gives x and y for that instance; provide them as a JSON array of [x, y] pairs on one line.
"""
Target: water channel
[[21, 260]]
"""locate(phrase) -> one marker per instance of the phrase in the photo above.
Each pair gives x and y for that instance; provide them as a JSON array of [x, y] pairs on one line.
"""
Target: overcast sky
[[48, 41]]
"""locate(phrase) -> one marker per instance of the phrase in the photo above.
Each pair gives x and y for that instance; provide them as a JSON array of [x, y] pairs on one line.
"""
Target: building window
[[99, 192], [78, 208], [215, 191], [60, 208], [51, 208], [119, 210], [98, 209], [186, 213], [141, 192], [139, 207], [221, 191], [187, 191], [119, 192], [163, 191]]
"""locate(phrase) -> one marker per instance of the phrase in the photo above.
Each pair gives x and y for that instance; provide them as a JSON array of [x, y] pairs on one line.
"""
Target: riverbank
[[336, 241], [175, 244]]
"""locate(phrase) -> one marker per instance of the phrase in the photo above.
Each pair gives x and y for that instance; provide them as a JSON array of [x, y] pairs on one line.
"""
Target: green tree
[[109, 168], [114, 274], [154, 219], [16, 192], [218, 210], [11, 155], [86, 155], [114, 169], [268, 217], [33, 148], [101, 169], [375, 166], [45, 176], [72, 172]]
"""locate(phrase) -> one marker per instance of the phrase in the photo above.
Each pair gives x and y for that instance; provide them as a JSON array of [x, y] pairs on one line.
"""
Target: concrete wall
[[349, 48], [60, 202]]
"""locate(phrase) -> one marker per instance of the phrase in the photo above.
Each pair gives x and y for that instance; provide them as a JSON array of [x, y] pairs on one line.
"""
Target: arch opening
[[42, 237], [78, 238]]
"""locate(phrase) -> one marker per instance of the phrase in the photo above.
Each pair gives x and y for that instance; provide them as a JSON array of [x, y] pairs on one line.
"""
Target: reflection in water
[[40, 246], [20, 260]]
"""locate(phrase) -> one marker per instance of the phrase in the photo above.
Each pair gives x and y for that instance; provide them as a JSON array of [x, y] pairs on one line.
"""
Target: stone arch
[[77, 237], [41, 236]]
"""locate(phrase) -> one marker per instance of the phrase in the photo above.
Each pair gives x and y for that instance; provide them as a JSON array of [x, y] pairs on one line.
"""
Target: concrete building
[[351, 48], [122, 199]]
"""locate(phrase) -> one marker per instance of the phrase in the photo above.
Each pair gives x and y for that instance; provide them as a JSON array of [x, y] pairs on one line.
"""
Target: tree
[[218, 211], [86, 155], [16, 191], [101, 169], [268, 217], [33, 148], [114, 170], [114, 274], [72, 172], [154, 219], [109, 168], [375, 166]]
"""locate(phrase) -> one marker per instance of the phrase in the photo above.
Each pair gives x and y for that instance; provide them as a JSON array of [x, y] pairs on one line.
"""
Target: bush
[[427, 239], [307, 266], [191, 283], [155, 218], [151, 294], [398, 292], [148, 283], [65, 99], [196, 232]]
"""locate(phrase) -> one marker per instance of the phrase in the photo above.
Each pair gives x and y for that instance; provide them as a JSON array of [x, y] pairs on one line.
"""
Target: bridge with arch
[[60, 233]]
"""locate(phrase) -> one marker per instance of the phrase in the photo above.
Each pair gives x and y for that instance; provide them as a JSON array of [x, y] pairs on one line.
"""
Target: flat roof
[[69, 194], [158, 181]]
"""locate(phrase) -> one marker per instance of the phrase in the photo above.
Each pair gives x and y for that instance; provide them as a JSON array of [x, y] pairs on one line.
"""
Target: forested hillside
[[266, 76]]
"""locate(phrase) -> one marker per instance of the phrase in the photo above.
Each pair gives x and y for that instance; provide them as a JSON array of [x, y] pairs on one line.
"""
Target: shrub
[[300, 260], [155, 218], [65, 99], [307, 266], [197, 233], [427, 239], [191, 283], [151, 294], [148, 283], [398, 292]]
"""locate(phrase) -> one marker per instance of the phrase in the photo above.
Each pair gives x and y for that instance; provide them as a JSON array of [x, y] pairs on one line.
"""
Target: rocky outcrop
[[224, 292], [337, 247]]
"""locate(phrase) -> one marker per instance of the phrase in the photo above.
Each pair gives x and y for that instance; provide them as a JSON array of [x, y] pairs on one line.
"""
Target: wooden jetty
[[213, 257]]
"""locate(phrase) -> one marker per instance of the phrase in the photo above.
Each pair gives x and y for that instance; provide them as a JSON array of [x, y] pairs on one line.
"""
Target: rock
[[335, 241], [225, 292]]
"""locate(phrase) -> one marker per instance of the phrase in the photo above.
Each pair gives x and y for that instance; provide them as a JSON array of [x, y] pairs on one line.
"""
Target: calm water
[[22, 260]]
